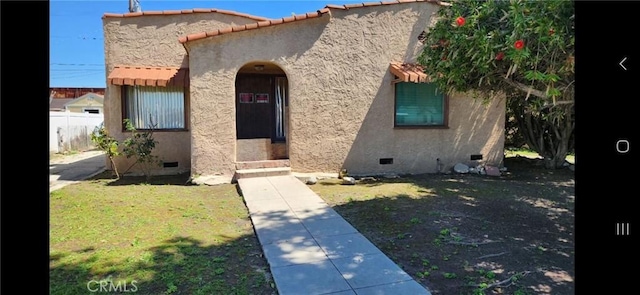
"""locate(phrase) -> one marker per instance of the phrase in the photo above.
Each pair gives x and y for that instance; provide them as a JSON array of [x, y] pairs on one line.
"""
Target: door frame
[[272, 104]]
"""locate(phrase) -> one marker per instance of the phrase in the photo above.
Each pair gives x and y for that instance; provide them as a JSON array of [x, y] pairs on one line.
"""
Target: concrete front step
[[262, 164], [262, 172]]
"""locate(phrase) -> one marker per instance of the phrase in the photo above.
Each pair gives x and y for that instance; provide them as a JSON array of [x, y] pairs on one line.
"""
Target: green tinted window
[[419, 104]]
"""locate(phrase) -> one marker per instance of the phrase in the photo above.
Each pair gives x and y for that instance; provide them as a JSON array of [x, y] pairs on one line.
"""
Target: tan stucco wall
[[474, 128], [341, 97], [153, 41]]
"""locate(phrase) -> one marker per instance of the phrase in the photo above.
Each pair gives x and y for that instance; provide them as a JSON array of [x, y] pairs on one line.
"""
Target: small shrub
[[140, 146], [109, 145]]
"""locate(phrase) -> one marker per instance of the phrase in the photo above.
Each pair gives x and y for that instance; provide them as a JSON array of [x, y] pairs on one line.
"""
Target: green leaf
[[552, 78], [553, 92]]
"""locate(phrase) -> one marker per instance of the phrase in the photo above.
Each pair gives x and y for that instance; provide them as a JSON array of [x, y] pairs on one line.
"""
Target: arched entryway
[[261, 112]]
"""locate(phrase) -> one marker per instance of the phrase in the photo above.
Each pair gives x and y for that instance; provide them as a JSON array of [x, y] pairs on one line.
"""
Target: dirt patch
[[470, 234]]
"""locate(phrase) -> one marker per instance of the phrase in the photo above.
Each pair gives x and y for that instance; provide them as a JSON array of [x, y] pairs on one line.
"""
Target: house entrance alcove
[[261, 112]]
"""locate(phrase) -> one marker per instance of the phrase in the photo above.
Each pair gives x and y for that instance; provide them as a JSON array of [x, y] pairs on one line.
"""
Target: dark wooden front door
[[254, 117]]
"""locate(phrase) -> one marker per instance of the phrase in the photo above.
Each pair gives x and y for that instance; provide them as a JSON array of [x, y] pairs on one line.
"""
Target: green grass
[[164, 238], [532, 154]]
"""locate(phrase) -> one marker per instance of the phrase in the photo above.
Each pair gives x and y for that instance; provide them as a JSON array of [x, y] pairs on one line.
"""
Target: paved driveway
[[70, 169]]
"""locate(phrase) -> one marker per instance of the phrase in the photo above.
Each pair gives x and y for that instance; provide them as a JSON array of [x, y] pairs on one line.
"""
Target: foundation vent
[[169, 164], [386, 161], [476, 157]]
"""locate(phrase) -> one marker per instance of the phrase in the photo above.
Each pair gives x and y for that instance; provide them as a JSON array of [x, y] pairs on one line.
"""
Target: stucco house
[[337, 88]]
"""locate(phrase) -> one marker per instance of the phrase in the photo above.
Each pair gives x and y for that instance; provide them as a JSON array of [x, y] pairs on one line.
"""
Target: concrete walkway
[[73, 168], [311, 249]]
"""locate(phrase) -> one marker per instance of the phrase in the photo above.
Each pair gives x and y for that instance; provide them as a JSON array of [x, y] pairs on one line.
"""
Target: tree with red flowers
[[522, 49]]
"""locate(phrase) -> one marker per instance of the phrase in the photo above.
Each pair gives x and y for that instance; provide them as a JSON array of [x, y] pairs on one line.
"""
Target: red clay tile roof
[[187, 11], [260, 24], [378, 3], [271, 22], [148, 76], [409, 72]]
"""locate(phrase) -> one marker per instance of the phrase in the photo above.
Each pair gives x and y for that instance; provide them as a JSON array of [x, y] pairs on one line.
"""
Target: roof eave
[[253, 26]]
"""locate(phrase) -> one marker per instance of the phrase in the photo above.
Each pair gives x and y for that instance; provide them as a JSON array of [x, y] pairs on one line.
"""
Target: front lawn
[[470, 234], [158, 238]]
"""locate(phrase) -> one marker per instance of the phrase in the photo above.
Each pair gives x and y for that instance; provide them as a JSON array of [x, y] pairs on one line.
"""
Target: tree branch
[[557, 103], [507, 282], [492, 255], [525, 88], [476, 244]]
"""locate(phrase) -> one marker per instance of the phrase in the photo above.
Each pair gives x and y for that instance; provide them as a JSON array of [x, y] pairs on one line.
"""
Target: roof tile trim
[[148, 76], [185, 11], [271, 22], [261, 24], [369, 4], [409, 72]]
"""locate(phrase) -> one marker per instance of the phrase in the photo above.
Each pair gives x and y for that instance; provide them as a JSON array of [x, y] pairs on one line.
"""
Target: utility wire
[[75, 76], [77, 37], [76, 70], [65, 64], [66, 75]]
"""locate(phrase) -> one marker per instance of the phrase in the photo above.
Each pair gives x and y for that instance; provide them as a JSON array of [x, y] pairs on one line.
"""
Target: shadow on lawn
[[467, 230], [463, 231], [180, 179], [181, 265]]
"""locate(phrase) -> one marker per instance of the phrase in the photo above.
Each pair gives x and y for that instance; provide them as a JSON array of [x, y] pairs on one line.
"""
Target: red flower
[[551, 32], [519, 44], [500, 55], [460, 21]]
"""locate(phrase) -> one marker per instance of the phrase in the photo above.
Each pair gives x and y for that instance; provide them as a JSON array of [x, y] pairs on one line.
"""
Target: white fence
[[72, 131]]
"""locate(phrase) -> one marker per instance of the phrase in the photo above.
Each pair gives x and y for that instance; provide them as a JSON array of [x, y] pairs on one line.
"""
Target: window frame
[[125, 115], [445, 117]]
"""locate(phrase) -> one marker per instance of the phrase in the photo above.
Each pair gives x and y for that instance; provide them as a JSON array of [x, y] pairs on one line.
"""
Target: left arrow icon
[[621, 63]]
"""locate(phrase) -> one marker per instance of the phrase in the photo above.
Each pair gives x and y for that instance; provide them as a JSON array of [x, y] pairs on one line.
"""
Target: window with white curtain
[[149, 107]]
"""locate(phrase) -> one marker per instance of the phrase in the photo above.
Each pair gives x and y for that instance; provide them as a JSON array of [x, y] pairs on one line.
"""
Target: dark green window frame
[[420, 105]]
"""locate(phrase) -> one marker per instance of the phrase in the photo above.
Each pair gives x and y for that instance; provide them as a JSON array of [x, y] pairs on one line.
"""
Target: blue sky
[[76, 47]]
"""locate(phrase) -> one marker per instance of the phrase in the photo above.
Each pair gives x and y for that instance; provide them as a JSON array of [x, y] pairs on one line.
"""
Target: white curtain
[[281, 97], [155, 107]]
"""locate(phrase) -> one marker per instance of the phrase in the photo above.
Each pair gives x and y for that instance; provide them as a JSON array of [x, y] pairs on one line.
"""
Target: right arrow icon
[[621, 63]]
